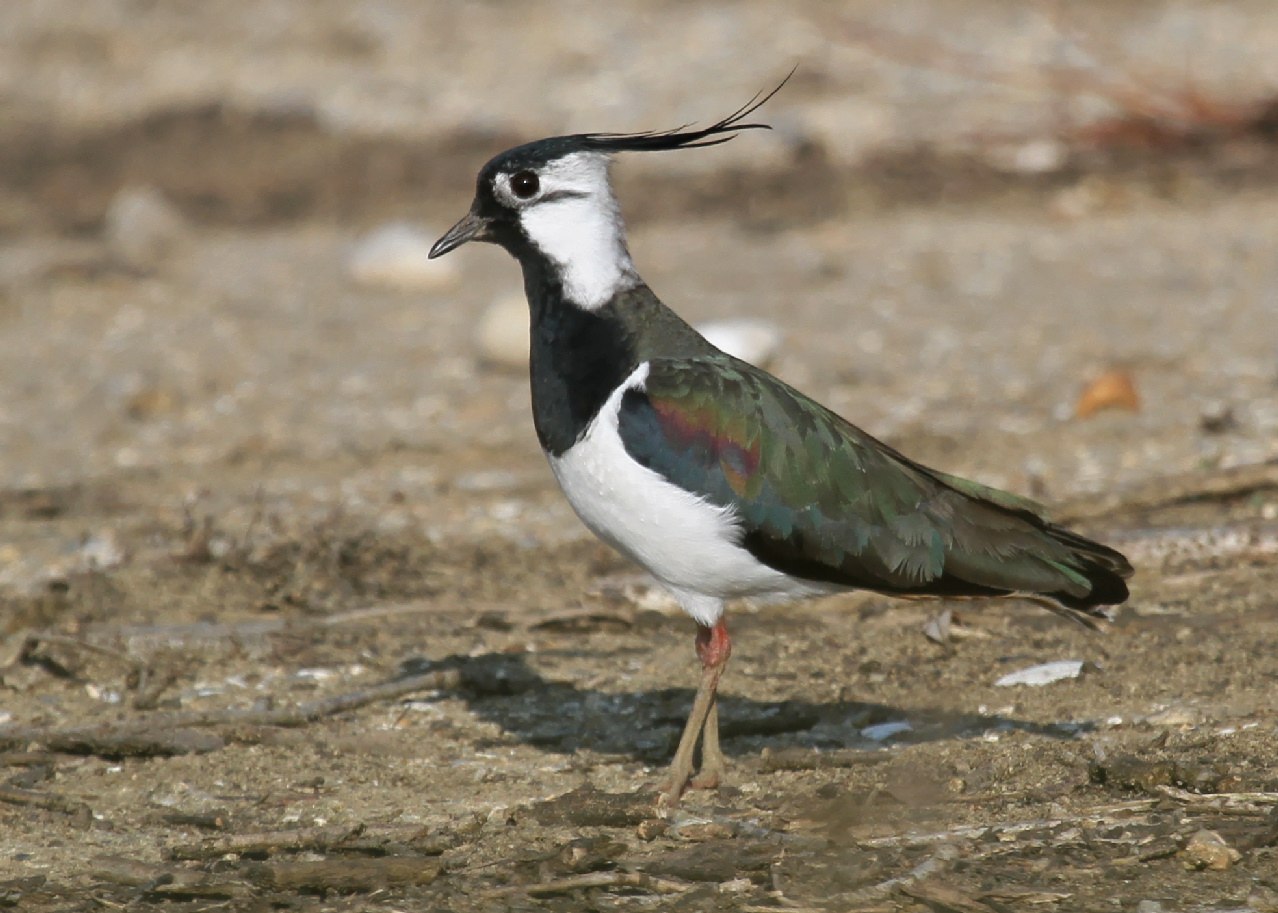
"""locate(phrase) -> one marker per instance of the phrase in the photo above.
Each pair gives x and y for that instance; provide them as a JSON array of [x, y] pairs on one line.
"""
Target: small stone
[[141, 227], [501, 337], [750, 340], [651, 828], [698, 830], [1217, 418], [881, 732], [397, 256], [1043, 674], [1208, 850], [937, 628], [1037, 156], [101, 551], [499, 817]]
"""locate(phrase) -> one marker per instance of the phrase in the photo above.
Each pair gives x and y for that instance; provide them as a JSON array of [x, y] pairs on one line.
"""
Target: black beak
[[472, 227]]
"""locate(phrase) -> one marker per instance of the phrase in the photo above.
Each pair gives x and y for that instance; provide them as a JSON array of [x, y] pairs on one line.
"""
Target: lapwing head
[[552, 200]]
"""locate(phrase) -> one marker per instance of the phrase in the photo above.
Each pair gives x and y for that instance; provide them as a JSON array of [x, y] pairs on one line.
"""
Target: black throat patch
[[577, 359]]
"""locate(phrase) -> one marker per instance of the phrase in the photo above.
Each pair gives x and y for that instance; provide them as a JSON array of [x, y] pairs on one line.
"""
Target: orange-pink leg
[[713, 649]]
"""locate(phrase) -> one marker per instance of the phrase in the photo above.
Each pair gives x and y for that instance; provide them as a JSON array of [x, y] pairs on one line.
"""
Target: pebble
[[1037, 156], [1217, 417], [937, 628], [141, 227], [697, 830], [755, 341], [651, 828], [397, 256], [881, 732], [1043, 674], [100, 551], [1208, 850], [501, 336]]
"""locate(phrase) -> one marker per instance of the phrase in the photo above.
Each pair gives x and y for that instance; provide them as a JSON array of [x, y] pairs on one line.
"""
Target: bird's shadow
[[645, 725]]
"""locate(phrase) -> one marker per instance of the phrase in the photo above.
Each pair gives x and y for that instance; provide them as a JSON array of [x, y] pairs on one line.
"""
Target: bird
[[718, 478]]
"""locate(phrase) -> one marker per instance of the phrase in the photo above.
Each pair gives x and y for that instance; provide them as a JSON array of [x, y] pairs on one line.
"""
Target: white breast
[[687, 543]]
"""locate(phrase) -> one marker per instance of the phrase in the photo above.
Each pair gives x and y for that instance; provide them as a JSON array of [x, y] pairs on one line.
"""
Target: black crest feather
[[681, 137]]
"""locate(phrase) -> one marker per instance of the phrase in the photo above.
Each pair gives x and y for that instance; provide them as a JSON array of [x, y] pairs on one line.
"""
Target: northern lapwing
[[719, 479]]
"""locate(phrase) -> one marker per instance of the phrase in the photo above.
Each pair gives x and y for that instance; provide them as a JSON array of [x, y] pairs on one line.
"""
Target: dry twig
[[345, 874], [80, 813], [315, 839], [1118, 813], [813, 759], [166, 881], [174, 733], [1171, 491], [636, 880], [1250, 803], [1151, 111], [932, 865]]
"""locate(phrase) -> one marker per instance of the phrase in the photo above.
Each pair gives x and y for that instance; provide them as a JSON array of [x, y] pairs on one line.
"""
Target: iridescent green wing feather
[[820, 499]]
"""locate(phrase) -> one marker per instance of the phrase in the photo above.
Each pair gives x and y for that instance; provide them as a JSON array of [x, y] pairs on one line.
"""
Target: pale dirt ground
[[236, 479]]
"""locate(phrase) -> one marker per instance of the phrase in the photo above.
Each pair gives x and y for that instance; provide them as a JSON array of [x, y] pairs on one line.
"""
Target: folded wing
[[820, 499]]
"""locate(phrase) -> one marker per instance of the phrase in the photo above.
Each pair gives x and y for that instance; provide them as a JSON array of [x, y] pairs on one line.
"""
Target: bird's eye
[[525, 184]]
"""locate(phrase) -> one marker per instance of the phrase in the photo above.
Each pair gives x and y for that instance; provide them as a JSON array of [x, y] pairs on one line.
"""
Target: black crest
[[534, 154], [681, 137]]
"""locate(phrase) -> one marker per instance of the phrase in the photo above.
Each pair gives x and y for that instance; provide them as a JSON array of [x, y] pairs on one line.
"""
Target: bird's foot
[[672, 788], [668, 800], [707, 778], [675, 785]]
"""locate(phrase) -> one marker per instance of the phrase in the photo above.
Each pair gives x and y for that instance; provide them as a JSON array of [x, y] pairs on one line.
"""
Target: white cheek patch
[[577, 225], [587, 246]]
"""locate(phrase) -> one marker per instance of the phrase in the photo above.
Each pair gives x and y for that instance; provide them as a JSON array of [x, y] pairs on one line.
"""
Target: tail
[[1096, 577], [1005, 544], [1103, 571]]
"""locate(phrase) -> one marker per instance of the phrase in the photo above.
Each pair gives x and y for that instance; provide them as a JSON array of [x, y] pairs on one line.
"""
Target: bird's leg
[[713, 648], [712, 769]]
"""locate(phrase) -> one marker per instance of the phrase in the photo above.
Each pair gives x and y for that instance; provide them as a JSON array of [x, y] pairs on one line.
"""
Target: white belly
[[687, 543]]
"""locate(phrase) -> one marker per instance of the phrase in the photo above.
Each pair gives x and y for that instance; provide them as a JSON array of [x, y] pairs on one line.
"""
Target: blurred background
[[965, 214]]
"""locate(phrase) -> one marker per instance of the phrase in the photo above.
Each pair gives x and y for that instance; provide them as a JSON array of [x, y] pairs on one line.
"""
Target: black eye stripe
[[562, 195]]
